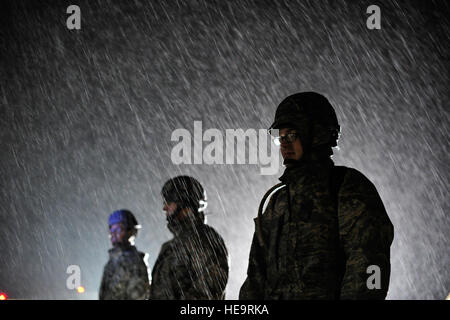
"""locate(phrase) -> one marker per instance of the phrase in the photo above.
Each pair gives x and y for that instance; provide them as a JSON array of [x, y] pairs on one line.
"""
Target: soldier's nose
[[285, 143]]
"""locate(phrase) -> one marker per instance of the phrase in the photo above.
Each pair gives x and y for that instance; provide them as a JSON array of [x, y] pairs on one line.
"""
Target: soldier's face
[[170, 208], [117, 233], [290, 150], [172, 212]]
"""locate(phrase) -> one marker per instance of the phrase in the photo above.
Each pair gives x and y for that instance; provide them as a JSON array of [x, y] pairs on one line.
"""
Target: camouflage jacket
[[125, 276], [318, 245], [191, 266]]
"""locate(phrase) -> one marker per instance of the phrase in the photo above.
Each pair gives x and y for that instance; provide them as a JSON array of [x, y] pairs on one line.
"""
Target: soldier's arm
[[113, 283], [253, 287], [162, 285], [208, 269], [101, 293], [366, 235], [127, 280], [138, 287], [217, 268]]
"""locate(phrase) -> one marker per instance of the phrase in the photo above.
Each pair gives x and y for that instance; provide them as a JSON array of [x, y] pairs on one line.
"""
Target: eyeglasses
[[116, 229], [288, 138]]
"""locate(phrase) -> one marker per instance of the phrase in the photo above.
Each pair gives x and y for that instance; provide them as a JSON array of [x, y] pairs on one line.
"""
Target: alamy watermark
[[73, 281], [374, 281], [74, 20], [228, 148], [374, 20]]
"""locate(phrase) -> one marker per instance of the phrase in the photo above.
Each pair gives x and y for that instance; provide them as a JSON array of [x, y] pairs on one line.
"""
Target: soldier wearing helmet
[[325, 227], [194, 264], [125, 276]]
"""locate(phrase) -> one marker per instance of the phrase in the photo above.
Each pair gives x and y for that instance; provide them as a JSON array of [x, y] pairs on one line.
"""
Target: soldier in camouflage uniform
[[194, 264], [125, 276], [324, 225]]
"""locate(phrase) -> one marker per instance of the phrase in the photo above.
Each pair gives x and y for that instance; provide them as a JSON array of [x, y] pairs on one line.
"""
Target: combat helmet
[[312, 115], [124, 216], [186, 192]]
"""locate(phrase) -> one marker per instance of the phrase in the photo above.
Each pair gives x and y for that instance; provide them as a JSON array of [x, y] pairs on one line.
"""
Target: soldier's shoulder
[[355, 182], [211, 232], [131, 259], [359, 195], [276, 192], [130, 254], [270, 202], [210, 229], [166, 246], [213, 238], [141, 254]]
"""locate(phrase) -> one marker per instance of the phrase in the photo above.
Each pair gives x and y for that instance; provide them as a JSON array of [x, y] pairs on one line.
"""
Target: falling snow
[[87, 116]]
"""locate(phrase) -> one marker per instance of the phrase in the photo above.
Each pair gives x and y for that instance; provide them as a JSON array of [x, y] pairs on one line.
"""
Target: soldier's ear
[[131, 233]]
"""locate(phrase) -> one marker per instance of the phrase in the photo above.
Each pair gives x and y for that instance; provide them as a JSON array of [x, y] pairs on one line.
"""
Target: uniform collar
[[187, 226], [116, 251], [296, 169]]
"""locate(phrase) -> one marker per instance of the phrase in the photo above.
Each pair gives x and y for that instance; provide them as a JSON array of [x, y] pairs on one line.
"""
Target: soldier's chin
[[289, 161], [119, 242], [171, 220]]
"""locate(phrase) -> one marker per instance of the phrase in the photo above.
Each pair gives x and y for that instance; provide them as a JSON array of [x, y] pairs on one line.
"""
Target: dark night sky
[[87, 117]]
